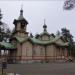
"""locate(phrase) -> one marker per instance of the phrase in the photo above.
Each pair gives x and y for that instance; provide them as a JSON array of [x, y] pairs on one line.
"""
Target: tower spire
[[22, 7], [44, 21], [45, 26], [21, 13]]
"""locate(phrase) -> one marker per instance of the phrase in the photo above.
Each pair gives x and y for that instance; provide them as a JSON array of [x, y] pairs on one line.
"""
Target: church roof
[[21, 18], [62, 44], [19, 39], [21, 15], [41, 42], [51, 41], [7, 45]]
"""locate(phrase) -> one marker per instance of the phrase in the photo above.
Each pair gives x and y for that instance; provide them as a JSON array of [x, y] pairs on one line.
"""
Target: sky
[[36, 11]]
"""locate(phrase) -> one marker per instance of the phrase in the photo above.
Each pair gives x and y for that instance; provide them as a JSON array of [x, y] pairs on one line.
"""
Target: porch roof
[[6, 45]]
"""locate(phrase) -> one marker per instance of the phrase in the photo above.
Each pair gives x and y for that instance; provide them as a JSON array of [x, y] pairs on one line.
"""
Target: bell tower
[[20, 25]]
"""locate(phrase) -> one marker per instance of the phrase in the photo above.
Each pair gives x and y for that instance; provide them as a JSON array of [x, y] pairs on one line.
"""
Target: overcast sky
[[36, 11]]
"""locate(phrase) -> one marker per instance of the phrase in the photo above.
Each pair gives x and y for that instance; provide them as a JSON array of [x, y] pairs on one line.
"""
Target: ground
[[42, 69]]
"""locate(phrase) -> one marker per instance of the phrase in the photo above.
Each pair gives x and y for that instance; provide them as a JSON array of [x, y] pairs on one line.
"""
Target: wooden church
[[44, 47]]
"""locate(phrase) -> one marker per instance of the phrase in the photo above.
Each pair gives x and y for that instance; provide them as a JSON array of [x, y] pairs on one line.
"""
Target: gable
[[27, 44], [45, 37], [60, 41]]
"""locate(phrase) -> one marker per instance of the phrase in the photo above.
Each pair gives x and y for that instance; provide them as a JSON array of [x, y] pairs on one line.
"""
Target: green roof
[[34, 40], [7, 45], [41, 42], [62, 44], [19, 39], [52, 41]]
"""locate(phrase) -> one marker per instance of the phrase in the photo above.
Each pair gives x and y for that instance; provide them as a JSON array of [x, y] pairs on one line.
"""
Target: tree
[[1, 34], [4, 30], [58, 33], [67, 35], [31, 35], [7, 35], [69, 4], [69, 38]]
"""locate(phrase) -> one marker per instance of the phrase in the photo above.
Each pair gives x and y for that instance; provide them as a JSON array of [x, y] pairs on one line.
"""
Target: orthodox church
[[43, 47]]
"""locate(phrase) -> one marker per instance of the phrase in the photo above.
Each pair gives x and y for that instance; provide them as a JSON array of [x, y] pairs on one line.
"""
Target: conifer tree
[[69, 38], [69, 4]]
